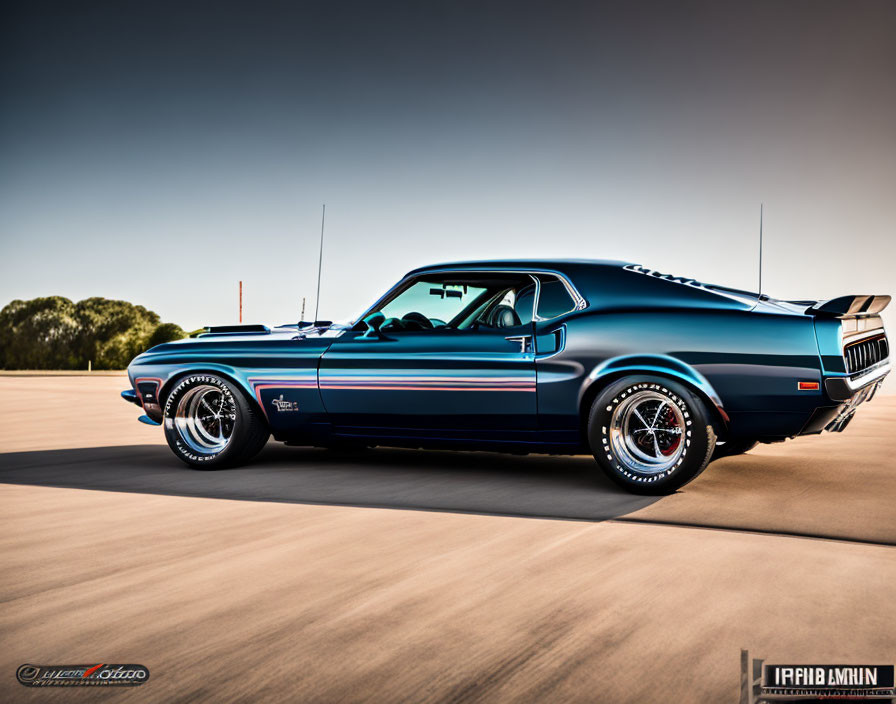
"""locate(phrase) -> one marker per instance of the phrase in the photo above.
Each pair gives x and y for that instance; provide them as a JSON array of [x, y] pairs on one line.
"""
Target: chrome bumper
[[844, 388], [853, 391]]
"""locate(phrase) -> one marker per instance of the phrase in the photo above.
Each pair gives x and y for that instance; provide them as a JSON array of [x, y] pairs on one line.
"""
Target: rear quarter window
[[553, 298]]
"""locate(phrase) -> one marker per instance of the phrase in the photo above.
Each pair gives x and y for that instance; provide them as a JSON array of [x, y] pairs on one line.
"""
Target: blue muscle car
[[655, 375]]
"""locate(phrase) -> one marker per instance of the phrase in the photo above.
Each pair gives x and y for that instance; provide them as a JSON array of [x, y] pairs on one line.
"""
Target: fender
[[660, 364], [169, 374]]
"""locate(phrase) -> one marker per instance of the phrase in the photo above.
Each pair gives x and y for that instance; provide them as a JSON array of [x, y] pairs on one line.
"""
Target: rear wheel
[[209, 424], [650, 435]]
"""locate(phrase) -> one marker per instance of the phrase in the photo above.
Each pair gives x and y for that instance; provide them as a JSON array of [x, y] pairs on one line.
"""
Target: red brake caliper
[[671, 423]]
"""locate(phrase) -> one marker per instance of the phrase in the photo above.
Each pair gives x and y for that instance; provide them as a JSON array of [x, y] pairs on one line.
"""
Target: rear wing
[[849, 306]]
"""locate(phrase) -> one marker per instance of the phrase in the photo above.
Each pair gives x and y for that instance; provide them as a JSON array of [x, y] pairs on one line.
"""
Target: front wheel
[[650, 435], [209, 423]]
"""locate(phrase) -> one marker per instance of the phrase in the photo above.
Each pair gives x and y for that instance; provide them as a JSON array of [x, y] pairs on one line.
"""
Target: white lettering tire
[[649, 434], [210, 424]]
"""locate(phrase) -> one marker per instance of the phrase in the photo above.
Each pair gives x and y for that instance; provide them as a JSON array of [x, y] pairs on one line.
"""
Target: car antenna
[[320, 260], [759, 294]]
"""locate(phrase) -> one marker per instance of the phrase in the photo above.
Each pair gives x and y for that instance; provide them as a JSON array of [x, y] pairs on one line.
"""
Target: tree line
[[55, 333]]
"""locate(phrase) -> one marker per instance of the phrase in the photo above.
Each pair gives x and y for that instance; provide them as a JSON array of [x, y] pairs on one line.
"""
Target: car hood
[[313, 340]]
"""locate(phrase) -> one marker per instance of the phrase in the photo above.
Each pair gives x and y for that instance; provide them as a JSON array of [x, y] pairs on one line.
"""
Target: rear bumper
[[849, 392], [846, 388]]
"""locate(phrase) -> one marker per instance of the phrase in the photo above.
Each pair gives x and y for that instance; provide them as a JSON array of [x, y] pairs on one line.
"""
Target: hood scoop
[[235, 330]]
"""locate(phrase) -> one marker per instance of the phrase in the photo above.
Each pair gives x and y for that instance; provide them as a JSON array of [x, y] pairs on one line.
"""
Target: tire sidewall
[[695, 436], [176, 443]]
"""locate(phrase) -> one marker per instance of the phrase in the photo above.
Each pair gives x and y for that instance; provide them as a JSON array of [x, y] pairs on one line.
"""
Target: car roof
[[612, 284], [504, 264]]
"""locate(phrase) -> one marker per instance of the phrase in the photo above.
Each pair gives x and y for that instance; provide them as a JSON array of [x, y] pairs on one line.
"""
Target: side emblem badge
[[285, 406]]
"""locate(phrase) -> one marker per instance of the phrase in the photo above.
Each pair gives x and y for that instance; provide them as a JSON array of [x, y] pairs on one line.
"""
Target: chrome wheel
[[204, 419], [646, 432]]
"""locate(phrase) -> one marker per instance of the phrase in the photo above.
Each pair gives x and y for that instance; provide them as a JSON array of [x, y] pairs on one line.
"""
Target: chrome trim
[[209, 431], [524, 341], [578, 301], [849, 338], [629, 448], [856, 353], [535, 298], [869, 376]]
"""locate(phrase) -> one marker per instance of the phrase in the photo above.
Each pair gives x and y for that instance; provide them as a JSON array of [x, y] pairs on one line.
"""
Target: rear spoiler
[[849, 306]]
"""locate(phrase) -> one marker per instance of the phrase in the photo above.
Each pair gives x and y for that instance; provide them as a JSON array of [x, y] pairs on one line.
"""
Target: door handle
[[524, 340]]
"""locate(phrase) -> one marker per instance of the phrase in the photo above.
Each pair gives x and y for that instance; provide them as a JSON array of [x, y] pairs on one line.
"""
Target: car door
[[453, 381]]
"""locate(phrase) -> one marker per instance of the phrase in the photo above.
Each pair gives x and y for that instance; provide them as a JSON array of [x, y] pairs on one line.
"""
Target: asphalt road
[[536, 486], [318, 584], [839, 486]]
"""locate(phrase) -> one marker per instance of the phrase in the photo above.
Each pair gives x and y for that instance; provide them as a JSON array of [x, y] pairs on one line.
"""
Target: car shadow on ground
[[536, 486]]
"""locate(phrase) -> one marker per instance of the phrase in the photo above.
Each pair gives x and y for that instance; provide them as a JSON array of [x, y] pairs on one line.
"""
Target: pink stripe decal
[[483, 379], [373, 387]]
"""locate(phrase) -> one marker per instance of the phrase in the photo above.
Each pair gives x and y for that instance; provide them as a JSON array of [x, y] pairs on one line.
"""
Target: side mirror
[[373, 323]]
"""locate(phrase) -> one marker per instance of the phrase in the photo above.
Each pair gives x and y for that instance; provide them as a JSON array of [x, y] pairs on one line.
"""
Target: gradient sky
[[160, 152]]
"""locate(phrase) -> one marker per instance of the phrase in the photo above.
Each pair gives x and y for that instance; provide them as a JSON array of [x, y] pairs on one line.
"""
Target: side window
[[461, 300], [430, 303], [553, 298]]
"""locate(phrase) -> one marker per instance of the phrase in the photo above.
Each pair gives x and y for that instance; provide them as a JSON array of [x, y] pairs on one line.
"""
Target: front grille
[[865, 353]]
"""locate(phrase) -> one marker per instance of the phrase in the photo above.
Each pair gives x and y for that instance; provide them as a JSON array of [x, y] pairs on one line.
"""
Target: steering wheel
[[416, 321]]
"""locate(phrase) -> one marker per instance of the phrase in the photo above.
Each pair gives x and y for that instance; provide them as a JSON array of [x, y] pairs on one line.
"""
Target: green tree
[[113, 332], [54, 333], [166, 332], [38, 334]]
